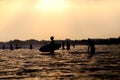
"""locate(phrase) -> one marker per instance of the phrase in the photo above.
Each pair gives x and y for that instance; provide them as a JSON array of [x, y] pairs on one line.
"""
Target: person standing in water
[[31, 47], [3, 46], [91, 48], [11, 47], [68, 45], [52, 45], [63, 45]]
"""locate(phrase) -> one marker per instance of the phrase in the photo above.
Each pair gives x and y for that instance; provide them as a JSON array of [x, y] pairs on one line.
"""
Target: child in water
[[91, 48]]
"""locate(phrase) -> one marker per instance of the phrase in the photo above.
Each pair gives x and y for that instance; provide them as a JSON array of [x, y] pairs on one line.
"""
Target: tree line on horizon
[[76, 42]]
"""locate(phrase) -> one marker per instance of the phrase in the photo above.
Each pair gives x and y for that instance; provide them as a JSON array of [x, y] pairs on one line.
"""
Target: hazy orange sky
[[74, 19]]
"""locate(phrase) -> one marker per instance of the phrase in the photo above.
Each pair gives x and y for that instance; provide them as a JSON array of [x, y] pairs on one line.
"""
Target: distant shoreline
[[108, 41]]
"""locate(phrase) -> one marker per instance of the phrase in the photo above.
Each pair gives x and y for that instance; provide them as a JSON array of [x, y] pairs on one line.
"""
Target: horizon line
[[56, 39]]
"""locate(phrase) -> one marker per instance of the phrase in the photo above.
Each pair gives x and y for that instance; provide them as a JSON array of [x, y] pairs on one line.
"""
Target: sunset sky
[[74, 19]]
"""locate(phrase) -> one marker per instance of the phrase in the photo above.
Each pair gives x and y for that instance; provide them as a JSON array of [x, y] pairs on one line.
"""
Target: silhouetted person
[[3, 47], [91, 48], [63, 45], [11, 47], [52, 45], [31, 46], [68, 45]]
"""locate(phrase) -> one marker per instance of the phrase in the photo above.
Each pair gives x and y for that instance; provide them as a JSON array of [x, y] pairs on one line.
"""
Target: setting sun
[[52, 5]]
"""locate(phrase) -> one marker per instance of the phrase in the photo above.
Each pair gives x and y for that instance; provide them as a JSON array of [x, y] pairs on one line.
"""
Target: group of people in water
[[91, 46], [16, 47], [67, 44]]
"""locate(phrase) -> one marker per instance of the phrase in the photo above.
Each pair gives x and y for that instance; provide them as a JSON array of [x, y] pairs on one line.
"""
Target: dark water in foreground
[[25, 64]]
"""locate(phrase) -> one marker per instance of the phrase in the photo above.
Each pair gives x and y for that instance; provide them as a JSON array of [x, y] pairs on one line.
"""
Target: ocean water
[[26, 64]]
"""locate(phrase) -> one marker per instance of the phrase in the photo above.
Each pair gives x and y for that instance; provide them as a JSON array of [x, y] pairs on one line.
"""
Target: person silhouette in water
[[91, 48], [63, 45], [68, 45], [31, 47], [52, 45], [11, 47], [3, 46]]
